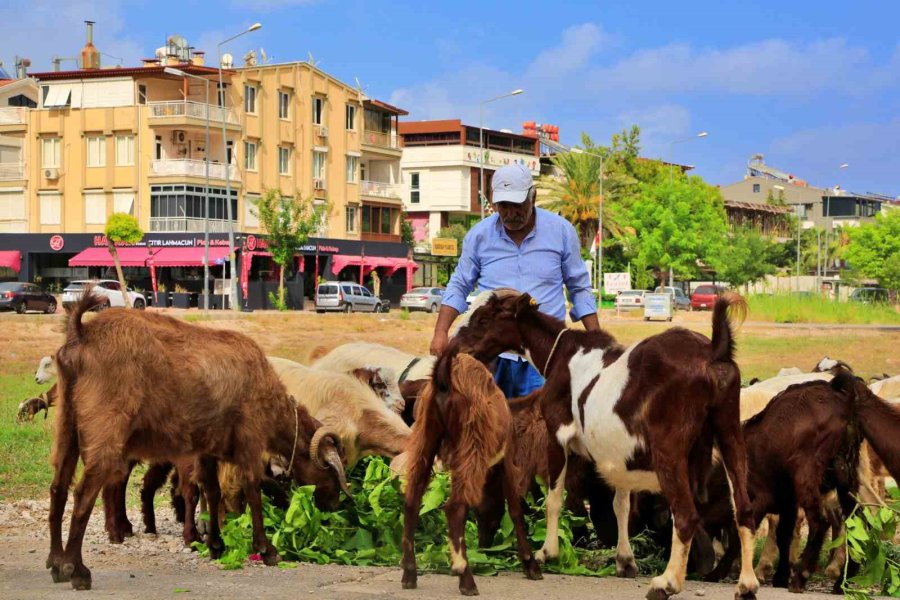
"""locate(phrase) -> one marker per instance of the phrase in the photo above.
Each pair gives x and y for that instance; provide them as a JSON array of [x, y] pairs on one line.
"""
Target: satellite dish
[[250, 59], [227, 61], [360, 89], [264, 56], [313, 61]]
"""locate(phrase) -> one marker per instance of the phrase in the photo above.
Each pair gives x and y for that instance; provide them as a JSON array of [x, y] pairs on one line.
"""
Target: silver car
[[345, 296], [630, 300], [422, 298]]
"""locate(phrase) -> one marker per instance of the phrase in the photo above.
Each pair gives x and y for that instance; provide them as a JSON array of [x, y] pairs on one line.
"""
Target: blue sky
[[810, 85]]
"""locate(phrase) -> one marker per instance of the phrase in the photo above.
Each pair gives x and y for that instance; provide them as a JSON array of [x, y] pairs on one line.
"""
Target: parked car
[[345, 296], [422, 298], [108, 289], [680, 301], [21, 297], [705, 296], [630, 300], [869, 295]]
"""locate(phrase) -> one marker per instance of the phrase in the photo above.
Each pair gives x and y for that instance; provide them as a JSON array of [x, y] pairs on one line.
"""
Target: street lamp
[[228, 214], [599, 278], [180, 73], [482, 195], [829, 222], [700, 135]]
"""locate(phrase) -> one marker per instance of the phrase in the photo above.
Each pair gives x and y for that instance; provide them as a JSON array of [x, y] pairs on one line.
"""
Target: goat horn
[[317, 437], [334, 461]]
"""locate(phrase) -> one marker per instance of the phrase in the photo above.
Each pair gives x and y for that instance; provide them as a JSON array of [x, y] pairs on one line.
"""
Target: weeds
[[815, 309]]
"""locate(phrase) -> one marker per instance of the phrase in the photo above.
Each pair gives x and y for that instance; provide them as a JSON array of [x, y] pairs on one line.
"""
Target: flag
[[595, 243]]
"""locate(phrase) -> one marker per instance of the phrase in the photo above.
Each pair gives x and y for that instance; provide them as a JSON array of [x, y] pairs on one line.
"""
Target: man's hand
[[438, 343], [445, 319]]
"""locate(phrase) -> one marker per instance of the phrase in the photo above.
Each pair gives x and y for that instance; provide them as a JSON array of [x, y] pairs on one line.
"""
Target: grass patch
[[403, 315], [798, 309], [24, 449]]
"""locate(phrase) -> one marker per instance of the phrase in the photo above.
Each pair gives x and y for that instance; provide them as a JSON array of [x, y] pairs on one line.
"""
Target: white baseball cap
[[511, 184]]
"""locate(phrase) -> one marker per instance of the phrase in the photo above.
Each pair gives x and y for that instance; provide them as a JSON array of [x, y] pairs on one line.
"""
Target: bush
[[816, 309]]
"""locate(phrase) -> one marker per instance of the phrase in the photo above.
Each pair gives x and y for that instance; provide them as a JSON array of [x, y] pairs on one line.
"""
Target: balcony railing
[[378, 138], [189, 225], [12, 171], [191, 168], [370, 236], [380, 189], [194, 110], [13, 115]]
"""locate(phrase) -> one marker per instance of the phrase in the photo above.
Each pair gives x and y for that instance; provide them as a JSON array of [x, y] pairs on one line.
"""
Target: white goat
[[46, 371], [887, 389]]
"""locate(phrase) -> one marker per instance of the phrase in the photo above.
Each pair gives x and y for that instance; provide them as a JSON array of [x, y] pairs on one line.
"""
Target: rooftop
[[145, 71]]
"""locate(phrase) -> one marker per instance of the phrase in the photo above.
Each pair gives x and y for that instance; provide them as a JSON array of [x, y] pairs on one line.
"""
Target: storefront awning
[[393, 264], [100, 257], [188, 257], [11, 259]]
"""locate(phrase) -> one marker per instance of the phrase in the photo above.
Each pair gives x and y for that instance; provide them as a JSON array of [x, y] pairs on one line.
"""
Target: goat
[[887, 389], [647, 416], [831, 365], [463, 417], [805, 442], [135, 385], [30, 407], [46, 371]]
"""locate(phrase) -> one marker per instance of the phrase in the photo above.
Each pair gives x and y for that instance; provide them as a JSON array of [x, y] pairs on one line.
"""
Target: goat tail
[[879, 420], [74, 327], [729, 308]]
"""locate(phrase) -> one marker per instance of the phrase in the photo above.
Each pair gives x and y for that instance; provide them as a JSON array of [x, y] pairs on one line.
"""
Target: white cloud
[[271, 4], [578, 46], [660, 125], [43, 29]]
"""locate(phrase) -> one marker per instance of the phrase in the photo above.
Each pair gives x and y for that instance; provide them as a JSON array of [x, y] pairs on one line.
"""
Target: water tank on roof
[[529, 125]]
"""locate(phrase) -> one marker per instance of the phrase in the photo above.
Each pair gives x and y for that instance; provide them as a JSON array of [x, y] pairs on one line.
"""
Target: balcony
[[189, 225], [378, 140], [186, 167], [12, 171], [13, 117], [180, 113], [369, 236], [380, 189]]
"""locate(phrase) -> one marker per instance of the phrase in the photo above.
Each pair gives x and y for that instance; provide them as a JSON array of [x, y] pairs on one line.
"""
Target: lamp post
[[481, 194], [228, 213], [599, 268], [700, 135], [180, 73]]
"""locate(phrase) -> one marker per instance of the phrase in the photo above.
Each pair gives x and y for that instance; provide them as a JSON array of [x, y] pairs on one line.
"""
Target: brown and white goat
[[30, 407], [648, 416], [463, 418], [135, 385]]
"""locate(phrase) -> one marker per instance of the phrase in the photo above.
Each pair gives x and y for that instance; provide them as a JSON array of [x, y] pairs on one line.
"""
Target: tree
[[407, 236], [122, 228], [873, 250], [288, 222], [747, 257], [678, 224]]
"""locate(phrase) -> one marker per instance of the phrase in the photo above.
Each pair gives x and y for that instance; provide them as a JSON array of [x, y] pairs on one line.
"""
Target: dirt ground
[[147, 567]]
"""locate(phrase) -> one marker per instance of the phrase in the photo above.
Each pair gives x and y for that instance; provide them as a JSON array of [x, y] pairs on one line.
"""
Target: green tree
[[678, 224], [774, 200], [288, 222], [747, 257], [121, 228], [873, 251], [407, 235]]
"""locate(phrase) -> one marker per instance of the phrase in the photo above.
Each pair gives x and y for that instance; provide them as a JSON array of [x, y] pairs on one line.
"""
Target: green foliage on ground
[[24, 449], [369, 531], [870, 536], [816, 309]]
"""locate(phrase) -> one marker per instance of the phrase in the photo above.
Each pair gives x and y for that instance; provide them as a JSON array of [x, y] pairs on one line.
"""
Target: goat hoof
[[626, 568], [116, 538], [780, 581], [82, 579], [797, 584], [745, 596], [834, 571], [409, 580], [533, 570], [657, 594], [272, 559], [468, 591], [215, 551], [65, 571]]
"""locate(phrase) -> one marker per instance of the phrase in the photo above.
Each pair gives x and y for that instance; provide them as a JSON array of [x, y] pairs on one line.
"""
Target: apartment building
[[133, 140]]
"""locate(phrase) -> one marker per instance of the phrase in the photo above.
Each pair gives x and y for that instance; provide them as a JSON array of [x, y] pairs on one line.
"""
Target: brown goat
[[463, 417], [648, 416], [135, 385], [28, 409]]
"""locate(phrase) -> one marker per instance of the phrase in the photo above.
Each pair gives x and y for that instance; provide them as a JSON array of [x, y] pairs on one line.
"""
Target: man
[[525, 248]]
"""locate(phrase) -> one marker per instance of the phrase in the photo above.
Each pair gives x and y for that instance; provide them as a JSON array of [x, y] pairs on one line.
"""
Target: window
[[414, 188], [284, 160], [376, 219], [250, 99], [318, 164], [755, 188], [352, 169], [50, 154], [351, 219], [250, 156], [96, 151], [142, 93], [159, 147], [12, 211], [95, 208], [284, 103], [180, 207], [318, 107], [350, 121], [220, 94], [51, 205], [124, 150], [123, 201]]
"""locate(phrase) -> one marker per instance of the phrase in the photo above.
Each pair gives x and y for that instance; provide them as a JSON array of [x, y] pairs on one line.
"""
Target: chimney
[[90, 56]]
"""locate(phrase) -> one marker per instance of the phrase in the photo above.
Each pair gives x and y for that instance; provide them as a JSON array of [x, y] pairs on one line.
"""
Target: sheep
[[136, 385], [789, 371], [463, 416]]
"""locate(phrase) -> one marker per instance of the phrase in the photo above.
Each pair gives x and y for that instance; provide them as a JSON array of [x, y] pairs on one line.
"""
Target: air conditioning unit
[[322, 131], [319, 184], [51, 173], [179, 136]]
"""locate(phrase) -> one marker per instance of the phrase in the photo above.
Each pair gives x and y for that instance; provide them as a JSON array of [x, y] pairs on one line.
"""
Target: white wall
[[441, 189]]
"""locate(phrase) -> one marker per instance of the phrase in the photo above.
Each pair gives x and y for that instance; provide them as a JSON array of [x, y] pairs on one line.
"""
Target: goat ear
[[523, 304]]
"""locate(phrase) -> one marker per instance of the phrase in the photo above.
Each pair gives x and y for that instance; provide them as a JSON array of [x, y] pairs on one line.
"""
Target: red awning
[[11, 259], [189, 257], [131, 256], [394, 264]]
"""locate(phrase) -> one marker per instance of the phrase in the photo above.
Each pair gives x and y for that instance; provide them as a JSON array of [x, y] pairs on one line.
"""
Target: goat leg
[[86, 494], [189, 493], [489, 512], [65, 459], [456, 511], [154, 478], [208, 468], [514, 501], [815, 519], [784, 535]]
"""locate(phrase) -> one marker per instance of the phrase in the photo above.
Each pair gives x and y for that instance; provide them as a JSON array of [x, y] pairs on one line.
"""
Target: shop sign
[[443, 247], [57, 242]]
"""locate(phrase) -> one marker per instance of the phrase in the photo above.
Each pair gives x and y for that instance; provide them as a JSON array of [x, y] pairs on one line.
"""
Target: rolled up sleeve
[[576, 276], [462, 282]]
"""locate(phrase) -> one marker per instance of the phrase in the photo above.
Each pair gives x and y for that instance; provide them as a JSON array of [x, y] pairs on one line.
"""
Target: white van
[[345, 296]]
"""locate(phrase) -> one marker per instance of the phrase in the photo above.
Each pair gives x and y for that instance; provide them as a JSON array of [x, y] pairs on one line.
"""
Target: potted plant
[[181, 298], [161, 297]]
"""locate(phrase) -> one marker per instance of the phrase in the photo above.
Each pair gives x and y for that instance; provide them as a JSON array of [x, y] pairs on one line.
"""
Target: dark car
[[704, 297], [18, 296], [870, 295]]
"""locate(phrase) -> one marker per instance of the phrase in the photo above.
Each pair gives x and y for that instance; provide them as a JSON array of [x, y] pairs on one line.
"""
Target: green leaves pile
[[870, 538], [369, 530]]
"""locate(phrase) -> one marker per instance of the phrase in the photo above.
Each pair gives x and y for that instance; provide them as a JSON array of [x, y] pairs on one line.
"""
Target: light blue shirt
[[548, 257]]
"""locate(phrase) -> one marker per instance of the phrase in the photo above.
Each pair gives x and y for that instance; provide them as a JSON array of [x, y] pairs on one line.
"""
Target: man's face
[[515, 216]]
